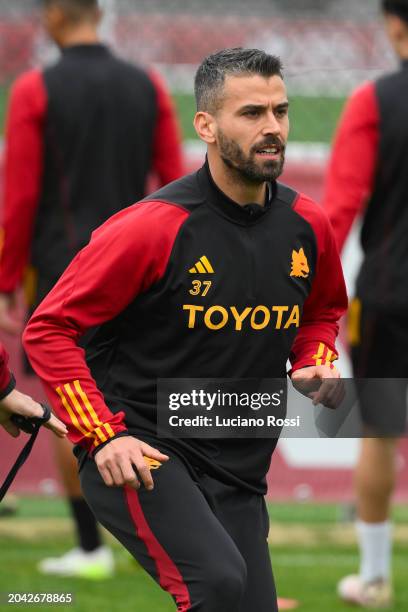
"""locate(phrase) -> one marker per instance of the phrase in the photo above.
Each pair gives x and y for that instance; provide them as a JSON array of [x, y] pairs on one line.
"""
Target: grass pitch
[[311, 550], [312, 119]]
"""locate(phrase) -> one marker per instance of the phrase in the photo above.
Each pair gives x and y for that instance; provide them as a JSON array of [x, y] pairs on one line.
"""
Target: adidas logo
[[202, 266]]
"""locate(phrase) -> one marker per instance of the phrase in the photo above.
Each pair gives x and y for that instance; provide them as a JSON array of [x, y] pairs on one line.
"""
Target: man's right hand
[[11, 317], [19, 403], [117, 461]]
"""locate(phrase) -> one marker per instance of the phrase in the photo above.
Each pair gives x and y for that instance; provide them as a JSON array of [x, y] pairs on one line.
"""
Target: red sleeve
[[124, 258], [327, 301], [5, 374], [23, 174], [167, 144], [350, 175]]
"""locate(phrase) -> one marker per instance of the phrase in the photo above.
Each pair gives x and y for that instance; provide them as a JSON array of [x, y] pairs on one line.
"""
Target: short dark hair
[[76, 8], [210, 76], [396, 7]]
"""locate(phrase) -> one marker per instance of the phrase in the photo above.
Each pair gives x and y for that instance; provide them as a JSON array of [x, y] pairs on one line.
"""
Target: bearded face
[[263, 163], [250, 127]]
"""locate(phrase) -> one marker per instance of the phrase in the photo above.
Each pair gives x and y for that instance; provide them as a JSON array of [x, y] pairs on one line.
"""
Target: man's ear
[[397, 28], [54, 19], [205, 126], [99, 15]]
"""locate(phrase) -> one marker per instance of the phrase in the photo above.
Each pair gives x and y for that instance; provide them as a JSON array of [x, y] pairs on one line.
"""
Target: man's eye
[[281, 113], [251, 113]]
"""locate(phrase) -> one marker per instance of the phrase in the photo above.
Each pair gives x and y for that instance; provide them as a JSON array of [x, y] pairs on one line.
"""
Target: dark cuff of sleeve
[[11, 385], [121, 434]]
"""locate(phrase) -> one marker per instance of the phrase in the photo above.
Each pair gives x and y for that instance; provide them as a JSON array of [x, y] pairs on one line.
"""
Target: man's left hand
[[322, 384]]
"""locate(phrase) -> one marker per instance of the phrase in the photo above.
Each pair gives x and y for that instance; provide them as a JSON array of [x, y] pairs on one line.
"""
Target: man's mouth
[[270, 151]]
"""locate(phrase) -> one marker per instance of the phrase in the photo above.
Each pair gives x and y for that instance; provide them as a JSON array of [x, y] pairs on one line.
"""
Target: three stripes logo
[[82, 414], [324, 355], [202, 266]]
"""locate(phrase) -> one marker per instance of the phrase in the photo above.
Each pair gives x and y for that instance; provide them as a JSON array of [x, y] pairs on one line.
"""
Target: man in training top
[[82, 136], [367, 175], [224, 273]]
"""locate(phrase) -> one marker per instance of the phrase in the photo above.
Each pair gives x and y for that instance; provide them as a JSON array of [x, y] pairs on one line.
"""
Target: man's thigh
[[378, 341], [245, 517], [380, 365], [174, 535]]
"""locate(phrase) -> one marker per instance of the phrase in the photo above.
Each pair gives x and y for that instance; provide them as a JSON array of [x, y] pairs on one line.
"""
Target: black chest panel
[[228, 305], [382, 280], [98, 148]]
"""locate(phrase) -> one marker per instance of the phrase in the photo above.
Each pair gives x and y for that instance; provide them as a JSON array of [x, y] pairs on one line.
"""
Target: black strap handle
[[31, 426]]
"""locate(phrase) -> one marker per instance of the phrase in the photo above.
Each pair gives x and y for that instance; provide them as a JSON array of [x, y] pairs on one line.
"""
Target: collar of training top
[[244, 215], [91, 49]]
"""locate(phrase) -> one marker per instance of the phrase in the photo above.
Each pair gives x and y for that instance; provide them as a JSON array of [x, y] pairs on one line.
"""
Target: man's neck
[[230, 183], [82, 35]]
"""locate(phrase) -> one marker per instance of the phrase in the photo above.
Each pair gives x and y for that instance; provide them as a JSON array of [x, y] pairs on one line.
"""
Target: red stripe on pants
[[170, 578]]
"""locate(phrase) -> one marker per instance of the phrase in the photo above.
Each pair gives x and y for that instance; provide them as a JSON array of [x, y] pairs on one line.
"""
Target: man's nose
[[272, 125]]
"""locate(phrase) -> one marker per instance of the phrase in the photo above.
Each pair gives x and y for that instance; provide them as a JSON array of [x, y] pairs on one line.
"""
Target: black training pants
[[203, 541]]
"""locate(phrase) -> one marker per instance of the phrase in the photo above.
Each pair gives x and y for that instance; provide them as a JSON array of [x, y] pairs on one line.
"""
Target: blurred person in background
[[82, 137], [367, 175], [14, 402]]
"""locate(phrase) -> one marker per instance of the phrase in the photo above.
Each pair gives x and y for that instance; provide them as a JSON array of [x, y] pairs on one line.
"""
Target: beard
[[247, 167]]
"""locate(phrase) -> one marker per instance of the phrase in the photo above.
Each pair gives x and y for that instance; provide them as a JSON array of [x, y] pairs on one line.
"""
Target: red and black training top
[[188, 284], [368, 174], [81, 139]]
